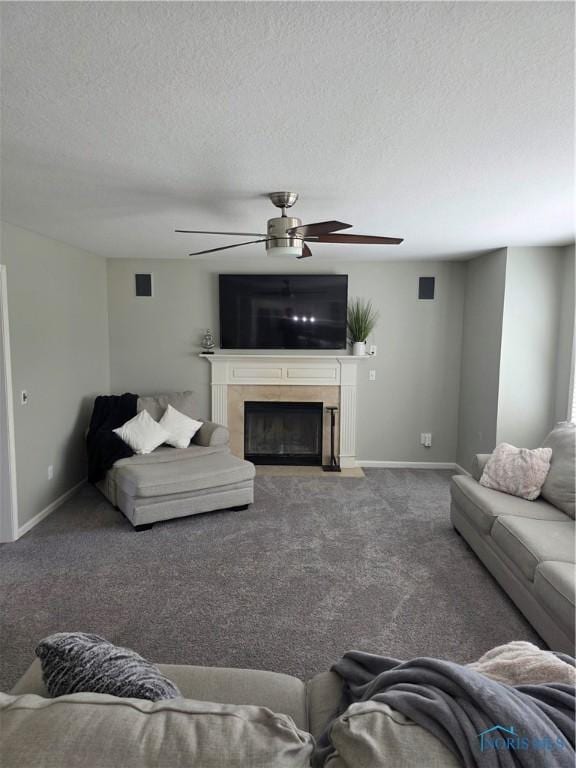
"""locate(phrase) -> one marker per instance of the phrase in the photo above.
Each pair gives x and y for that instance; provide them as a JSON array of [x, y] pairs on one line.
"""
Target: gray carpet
[[314, 568]]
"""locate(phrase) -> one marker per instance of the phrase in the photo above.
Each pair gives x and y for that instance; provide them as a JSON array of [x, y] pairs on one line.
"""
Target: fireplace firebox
[[283, 432]]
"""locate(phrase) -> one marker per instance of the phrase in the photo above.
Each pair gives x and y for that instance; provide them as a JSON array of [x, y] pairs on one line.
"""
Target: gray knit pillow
[[73, 662]]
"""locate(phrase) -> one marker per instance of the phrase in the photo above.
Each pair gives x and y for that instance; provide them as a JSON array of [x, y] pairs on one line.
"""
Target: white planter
[[358, 348]]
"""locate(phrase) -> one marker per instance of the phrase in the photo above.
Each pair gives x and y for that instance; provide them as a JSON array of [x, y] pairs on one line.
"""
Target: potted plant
[[362, 319]]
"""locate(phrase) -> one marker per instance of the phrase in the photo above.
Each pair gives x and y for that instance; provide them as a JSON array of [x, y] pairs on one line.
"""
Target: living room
[[441, 132]]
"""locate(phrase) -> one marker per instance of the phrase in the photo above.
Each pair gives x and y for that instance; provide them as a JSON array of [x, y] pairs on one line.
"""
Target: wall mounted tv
[[283, 311]]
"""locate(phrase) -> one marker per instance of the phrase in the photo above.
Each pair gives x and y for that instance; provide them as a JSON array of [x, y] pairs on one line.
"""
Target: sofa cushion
[[96, 730], [531, 542], [554, 584], [278, 692], [560, 486], [483, 505], [167, 477], [323, 694], [372, 735], [185, 402]]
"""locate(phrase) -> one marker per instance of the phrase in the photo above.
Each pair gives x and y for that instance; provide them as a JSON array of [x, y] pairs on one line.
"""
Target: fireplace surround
[[321, 378]]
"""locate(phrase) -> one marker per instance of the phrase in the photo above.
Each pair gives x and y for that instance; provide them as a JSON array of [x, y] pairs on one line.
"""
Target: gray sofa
[[528, 546], [98, 731], [171, 482]]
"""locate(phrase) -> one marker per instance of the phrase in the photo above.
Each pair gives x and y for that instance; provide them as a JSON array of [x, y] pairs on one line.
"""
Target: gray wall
[[57, 301], [566, 335], [154, 343], [517, 347], [480, 368], [530, 335]]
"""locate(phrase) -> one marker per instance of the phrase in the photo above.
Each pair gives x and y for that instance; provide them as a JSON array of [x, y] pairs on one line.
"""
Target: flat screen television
[[283, 311]]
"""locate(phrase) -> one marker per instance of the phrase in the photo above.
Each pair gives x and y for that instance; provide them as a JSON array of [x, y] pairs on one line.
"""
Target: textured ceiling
[[450, 124]]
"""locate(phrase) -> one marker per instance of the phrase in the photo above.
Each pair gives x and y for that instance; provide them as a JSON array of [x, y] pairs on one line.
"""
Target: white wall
[[154, 343], [57, 301], [481, 340], [529, 352]]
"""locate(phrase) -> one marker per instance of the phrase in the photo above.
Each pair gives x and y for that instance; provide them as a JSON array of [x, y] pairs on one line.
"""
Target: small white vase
[[358, 348]]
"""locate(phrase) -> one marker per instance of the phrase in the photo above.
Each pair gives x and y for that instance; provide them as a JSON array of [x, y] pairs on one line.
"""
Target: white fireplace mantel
[[290, 370]]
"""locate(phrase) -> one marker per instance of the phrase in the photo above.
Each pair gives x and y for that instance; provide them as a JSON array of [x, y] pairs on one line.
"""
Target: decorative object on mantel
[[362, 319], [207, 343], [333, 465]]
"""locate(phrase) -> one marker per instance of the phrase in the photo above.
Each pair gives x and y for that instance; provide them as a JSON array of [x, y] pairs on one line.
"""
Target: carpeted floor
[[314, 568]]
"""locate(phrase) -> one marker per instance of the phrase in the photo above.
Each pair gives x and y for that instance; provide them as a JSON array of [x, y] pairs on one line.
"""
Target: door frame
[[8, 487]]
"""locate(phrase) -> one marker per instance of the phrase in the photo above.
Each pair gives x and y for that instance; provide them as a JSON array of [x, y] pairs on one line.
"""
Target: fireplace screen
[[283, 433]]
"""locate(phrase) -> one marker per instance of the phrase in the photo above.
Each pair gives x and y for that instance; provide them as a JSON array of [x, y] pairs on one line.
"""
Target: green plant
[[362, 319]]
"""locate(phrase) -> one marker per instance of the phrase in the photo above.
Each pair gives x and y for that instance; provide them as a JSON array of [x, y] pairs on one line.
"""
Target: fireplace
[[283, 432]]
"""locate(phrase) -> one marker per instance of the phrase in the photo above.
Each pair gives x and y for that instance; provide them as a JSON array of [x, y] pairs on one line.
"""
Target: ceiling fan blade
[[306, 252], [357, 239], [319, 228], [204, 232], [226, 247]]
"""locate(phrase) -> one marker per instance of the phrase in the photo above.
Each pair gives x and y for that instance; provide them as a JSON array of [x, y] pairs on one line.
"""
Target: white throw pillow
[[181, 428], [142, 433], [517, 471]]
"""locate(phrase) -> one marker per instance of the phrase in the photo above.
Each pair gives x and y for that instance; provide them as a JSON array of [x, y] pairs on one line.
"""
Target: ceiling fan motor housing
[[283, 244]]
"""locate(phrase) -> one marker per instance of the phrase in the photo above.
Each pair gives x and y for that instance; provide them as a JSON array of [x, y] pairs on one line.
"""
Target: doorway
[[8, 500]]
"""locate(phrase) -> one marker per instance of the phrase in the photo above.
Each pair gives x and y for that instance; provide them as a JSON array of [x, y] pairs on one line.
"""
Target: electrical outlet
[[24, 397], [426, 439], [373, 349], [372, 375], [50, 472]]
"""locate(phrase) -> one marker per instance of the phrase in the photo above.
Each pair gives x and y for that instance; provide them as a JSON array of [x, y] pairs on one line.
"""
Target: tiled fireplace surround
[[330, 379]]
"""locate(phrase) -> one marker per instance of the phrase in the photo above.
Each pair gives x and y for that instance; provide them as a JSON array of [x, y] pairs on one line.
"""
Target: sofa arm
[[211, 434], [478, 464]]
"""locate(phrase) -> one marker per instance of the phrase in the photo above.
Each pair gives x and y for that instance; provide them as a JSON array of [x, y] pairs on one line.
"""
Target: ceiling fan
[[287, 236]]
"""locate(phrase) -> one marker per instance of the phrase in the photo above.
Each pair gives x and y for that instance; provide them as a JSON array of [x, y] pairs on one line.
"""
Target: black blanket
[[104, 447], [465, 710]]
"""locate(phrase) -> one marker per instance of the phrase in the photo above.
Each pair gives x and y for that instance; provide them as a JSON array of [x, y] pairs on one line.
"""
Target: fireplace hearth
[[283, 432]]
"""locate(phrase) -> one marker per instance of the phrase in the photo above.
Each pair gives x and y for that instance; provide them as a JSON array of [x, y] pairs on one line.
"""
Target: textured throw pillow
[[73, 662], [517, 471], [142, 433], [560, 486], [181, 428]]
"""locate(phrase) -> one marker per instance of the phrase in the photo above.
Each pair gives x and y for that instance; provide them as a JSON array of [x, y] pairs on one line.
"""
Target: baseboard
[[461, 471], [49, 509], [369, 463]]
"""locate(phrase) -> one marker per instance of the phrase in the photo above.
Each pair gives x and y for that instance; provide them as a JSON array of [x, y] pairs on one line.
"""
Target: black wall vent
[[143, 284], [426, 287]]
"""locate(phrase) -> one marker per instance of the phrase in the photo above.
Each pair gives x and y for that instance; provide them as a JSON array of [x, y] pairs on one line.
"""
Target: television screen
[[283, 311]]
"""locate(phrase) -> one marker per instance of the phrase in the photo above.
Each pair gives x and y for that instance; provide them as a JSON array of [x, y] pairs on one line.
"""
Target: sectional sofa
[[229, 718], [528, 546], [171, 482]]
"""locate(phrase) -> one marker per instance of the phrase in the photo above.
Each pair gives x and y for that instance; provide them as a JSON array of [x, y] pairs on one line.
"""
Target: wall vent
[[143, 284], [426, 286]]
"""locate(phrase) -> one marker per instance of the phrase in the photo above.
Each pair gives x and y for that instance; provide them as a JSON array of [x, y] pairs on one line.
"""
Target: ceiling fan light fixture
[[283, 250], [287, 237]]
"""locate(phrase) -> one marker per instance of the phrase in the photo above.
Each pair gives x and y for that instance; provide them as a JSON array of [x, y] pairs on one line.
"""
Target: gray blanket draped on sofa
[[458, 704]]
